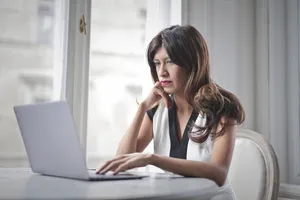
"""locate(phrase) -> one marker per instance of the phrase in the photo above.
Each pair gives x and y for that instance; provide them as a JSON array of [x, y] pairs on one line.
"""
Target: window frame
[[76, 65]]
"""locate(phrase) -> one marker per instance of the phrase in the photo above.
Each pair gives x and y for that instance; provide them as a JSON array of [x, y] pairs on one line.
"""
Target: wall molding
[[289, 191], [261, 57], [278, 84], [293, 99]]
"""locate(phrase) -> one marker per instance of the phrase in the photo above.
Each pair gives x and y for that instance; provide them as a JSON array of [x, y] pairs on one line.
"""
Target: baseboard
[[289, 191], [13, 160]]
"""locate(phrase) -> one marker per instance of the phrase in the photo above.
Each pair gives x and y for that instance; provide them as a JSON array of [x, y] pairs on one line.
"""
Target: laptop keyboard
[[110, 176], [93, 173]]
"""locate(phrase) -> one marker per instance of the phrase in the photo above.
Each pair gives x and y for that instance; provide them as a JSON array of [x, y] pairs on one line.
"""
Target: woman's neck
[[182, 106]]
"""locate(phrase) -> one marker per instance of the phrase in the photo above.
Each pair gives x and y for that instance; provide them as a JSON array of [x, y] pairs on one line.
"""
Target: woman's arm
[[216, 169], [140, 131], [138, 135]]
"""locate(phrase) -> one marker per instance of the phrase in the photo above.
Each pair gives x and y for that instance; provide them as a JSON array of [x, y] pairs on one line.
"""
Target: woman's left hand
[[125, 162]]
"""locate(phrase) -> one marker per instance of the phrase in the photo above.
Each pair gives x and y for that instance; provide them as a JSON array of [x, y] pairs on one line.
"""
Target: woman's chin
[[173, 92], [169, 90]]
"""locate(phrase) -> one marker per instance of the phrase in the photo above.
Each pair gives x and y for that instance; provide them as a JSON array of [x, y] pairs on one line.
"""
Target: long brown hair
[[187, 48]]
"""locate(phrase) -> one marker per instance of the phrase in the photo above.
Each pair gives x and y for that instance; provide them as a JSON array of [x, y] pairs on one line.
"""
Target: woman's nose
[[162, 71]]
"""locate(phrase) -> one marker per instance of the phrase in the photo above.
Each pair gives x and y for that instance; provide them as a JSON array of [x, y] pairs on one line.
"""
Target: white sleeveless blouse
[[162, 142], [195, 151]]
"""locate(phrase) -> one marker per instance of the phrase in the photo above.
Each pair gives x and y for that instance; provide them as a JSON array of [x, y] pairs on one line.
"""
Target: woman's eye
[[169, 61], [156, 64]]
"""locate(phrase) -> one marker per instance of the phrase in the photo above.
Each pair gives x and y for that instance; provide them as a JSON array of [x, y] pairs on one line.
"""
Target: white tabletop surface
[[20, 183]]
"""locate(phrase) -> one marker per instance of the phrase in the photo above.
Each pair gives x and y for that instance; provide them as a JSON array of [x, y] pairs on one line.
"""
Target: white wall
[[254, 48], [228, 27], [293, 84]]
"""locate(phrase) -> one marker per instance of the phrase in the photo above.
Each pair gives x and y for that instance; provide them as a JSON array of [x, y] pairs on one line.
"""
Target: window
[[28, 67], [45, 16], [118, 73]]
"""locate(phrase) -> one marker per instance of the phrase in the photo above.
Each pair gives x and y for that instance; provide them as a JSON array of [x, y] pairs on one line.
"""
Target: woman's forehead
[[161, 54]]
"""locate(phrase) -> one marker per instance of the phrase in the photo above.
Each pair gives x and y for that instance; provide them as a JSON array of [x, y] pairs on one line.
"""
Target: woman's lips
[[165, 83]]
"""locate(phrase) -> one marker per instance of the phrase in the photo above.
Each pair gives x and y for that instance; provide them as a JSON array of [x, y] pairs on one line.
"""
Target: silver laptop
[[52, 143]]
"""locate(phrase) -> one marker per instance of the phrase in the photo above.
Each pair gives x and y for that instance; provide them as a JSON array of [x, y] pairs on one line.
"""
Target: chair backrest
[[254, 171]]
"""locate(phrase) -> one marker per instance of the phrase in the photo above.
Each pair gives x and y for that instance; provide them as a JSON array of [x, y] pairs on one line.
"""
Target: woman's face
[[172, 77]]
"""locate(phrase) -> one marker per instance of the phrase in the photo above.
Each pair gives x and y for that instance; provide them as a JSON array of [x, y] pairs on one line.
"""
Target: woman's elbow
[[221, 181], [221, 177]]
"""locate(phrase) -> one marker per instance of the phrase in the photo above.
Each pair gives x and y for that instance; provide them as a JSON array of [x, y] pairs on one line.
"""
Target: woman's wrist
[[153, 159]]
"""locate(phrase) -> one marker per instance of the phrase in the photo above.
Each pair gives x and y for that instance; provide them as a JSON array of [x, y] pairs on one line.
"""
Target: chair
[[254, 171]]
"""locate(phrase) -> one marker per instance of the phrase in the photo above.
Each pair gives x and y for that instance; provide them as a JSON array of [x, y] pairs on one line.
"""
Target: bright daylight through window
[[28, 67], [117, 72]]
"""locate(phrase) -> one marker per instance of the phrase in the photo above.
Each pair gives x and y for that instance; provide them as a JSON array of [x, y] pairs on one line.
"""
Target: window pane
[[27, 47], [117, 72]]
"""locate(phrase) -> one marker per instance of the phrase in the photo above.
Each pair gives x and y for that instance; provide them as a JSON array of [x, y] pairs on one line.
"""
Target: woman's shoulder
[[156, 108]]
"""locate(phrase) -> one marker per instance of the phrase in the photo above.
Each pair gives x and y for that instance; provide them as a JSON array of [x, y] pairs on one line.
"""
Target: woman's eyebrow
[[166, 58]]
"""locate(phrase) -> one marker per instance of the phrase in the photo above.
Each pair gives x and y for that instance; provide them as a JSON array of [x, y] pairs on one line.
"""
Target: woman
[[191, 119]]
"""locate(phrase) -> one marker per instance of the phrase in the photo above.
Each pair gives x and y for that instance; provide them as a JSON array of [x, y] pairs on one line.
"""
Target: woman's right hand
[[157, 93]]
